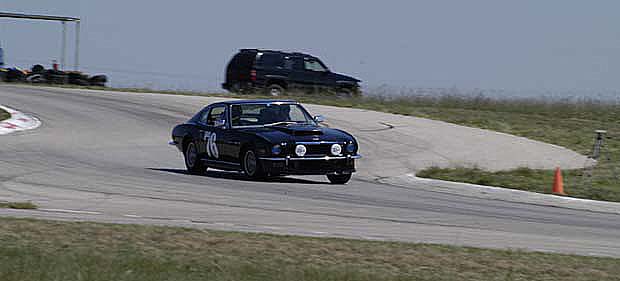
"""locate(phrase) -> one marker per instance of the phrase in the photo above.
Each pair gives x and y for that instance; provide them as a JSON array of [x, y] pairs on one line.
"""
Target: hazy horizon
[[515, 47]]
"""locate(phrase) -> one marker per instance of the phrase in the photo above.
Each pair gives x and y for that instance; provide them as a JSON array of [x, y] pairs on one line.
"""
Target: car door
[[227, 140], [231, 137], [201, 127], [212, 136]]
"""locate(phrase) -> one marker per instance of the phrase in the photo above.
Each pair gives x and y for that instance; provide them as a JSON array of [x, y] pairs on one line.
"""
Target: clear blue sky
[[552, 45]]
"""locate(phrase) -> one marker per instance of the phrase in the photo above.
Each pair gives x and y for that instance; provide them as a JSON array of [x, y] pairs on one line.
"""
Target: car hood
[[292, 133], [342, 77]]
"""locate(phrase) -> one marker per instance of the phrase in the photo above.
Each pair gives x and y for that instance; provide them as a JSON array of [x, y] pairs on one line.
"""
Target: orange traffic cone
[[558, 183]]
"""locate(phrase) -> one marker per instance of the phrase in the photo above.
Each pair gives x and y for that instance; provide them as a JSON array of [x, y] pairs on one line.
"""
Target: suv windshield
[[314, 65], [268, 114]]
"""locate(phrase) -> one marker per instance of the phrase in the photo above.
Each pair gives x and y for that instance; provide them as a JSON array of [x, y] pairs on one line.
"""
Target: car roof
[[293, 54], [257, 101]]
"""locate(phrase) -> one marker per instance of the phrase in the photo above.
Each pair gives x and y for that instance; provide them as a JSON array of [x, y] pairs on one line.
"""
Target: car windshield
[[268, 114]]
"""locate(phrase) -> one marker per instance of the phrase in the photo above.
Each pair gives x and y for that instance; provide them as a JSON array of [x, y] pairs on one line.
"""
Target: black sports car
[[265, 138]]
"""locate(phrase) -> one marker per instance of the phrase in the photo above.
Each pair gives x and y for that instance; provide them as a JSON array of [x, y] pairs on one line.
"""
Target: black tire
[[339, 179], [251, 166], [275, 90], [77, 78], [14, 75], [35, 78], [56, 77], [37, 68], [193, 163], [98, 80]]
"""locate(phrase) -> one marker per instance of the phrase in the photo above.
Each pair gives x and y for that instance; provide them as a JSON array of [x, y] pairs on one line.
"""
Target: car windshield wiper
[[281, 123]]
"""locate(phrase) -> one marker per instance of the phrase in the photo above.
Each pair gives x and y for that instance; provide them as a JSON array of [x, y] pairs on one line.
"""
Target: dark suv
[[275, 72]]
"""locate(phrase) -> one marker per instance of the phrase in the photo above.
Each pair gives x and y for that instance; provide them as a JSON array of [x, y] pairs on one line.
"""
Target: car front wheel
[[193, 163], [339, 179], [251, 165]]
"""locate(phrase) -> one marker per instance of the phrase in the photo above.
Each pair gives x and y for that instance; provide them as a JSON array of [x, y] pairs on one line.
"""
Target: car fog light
[[300, 150], [351, 147], [276, 149], [336, 149]]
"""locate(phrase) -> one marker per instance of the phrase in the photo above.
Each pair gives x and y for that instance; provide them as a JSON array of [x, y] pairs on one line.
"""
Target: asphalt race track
[[104, 156]]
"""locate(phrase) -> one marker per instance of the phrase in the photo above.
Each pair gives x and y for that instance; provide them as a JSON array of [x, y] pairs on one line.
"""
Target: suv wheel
[[235, 88], [344, 93], [275, 90]]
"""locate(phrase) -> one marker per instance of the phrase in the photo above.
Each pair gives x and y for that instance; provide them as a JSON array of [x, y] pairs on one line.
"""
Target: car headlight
[[300, 150], [351, 147], [276, 149], [336, 149]]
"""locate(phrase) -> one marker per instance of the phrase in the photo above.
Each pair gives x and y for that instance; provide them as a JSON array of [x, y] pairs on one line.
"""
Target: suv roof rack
[[274, 51]]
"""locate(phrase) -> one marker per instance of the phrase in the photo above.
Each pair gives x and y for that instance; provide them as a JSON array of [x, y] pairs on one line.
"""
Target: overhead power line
[[36, 17]]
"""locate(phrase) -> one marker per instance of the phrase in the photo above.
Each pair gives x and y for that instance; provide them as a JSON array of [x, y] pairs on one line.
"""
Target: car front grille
[[318, 149]]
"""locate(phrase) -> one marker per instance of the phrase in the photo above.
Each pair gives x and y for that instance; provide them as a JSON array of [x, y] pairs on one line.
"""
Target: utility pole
[[76, 66], [63, 47]]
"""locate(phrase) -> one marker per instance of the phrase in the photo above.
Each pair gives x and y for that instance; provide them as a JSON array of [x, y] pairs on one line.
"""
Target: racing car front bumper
[[309, 165]]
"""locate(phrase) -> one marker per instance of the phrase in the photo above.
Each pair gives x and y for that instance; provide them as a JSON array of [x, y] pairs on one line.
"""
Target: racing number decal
[[212, 146], [212, 151]]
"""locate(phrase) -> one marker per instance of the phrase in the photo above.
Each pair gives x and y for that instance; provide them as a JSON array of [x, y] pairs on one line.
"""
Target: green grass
[[18, 205], [527, 179], [568, 123], [48, 250], [4, 115]]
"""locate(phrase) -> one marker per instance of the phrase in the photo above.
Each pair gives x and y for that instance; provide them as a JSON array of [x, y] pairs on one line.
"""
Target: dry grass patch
[[4, 115], [18, 205]]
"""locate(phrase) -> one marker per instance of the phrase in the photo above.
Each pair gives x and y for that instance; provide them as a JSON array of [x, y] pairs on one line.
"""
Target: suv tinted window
[[270, 60], [244, 60], [293, 63]]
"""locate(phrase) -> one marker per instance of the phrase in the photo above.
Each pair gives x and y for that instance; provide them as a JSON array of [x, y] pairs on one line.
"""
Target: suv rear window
[[270, 60], [242, 61]]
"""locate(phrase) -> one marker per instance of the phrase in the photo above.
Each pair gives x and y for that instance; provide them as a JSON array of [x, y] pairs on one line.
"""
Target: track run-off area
[[103, 156]]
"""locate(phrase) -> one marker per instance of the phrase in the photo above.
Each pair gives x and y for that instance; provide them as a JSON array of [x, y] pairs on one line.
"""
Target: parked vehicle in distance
[[265, 138], [276, 72]]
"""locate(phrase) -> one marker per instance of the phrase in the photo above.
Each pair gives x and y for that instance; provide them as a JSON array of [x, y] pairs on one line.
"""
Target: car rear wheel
[[275, 90], [251, 165], [193, 163], [339, 179]]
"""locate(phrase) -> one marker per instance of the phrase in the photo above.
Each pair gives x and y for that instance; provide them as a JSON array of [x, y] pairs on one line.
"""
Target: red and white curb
[[17, 122]]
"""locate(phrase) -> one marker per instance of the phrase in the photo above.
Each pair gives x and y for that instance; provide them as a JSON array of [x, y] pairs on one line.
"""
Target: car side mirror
[[319, 119]]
